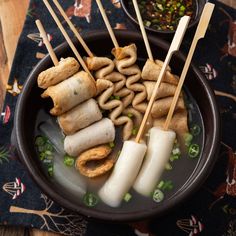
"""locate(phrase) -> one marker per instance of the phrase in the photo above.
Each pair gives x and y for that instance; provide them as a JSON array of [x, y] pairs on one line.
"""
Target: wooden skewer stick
[[107, 23], [69, 41], [43, 34], [143, 31], [72, 27], [178, 37], [200, 33]]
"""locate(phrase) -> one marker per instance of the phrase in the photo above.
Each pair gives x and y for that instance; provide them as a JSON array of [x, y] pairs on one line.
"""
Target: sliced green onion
[[112, 97], [111, 145], [182, 8], [68, 160], [40, 141], [193, 150], [127, 197], [117, 97], [188, 139], [195, 130], [168, 166], [176, 151], [161, 184], [134, 131], [42, 156], [50, 170], [148, 23], [48, 153], [48, 147], [174, 157], [130, 115], [168, 185], [90, 199], [158, 195]]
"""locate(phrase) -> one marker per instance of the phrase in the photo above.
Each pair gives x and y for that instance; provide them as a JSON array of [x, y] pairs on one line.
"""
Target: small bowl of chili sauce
[[162, 16]]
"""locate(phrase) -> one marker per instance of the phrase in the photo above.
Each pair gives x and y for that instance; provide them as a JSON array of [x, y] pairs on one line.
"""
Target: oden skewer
[[107, 23], [131, 157], [43, 34], [69, 41], [143, 31], [161, 140], [72, 27]]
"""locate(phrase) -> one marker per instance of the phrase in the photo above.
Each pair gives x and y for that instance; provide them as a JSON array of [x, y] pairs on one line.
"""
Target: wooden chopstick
[[43, 34], [200, 33], [107, 23], [69, 41], [178, 37], [72, 27], [143, 31]]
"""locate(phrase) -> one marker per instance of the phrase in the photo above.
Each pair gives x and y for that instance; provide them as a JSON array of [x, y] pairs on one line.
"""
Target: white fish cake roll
[[123, 174], [70, 92], [158, 153], [98, 133], [80, 117], [54, 75]]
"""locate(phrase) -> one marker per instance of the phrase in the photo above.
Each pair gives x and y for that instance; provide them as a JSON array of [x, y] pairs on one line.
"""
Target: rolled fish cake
[[54, 75], [158, 153], [98, 133], [80, 117], [123, 174], [151, 71], [70, 92]]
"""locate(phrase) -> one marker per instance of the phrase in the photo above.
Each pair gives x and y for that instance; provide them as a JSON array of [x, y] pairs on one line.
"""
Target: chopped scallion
[[90, 199], [50, 170], [134, 131], [188, 139], [168, 166], [193, 150], [130, 115], [127, 197], [69, 161], [195, 130], [158, 195], [111, 145]]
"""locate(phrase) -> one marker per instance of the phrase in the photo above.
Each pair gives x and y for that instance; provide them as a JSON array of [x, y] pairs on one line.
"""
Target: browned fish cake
[[97, 156]]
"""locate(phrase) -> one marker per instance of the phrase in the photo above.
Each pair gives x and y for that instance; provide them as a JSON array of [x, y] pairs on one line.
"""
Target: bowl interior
[[197, 9], [30, 103]]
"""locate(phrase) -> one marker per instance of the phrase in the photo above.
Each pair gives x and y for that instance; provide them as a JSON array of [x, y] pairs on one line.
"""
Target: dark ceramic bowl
[[198, 6], [30, 102]]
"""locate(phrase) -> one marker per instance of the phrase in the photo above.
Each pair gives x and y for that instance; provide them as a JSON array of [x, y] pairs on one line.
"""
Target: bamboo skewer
[[72, 27], [69, 41], [43, 34], [178, 37], [200, 33], [107, 23], [143, 31]]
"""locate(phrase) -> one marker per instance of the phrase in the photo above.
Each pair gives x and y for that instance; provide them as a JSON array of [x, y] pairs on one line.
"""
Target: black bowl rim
[[164, 32], [124, 217]]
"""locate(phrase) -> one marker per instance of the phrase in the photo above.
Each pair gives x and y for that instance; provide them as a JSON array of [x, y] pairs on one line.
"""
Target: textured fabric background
[[212, 210]]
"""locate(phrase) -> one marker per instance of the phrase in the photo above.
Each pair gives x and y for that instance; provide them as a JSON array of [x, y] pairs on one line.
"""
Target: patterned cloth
[[211, 211]]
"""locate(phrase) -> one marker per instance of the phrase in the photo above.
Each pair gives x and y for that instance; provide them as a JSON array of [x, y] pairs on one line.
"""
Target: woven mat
[[211, 211]]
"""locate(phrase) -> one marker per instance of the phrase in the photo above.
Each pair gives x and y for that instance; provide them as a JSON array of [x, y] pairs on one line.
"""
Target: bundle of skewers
[[147, 101]]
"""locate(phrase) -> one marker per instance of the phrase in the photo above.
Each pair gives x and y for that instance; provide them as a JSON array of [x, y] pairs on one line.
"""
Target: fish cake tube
[[80, 117], [123, 174], [54, 75], [71, 92], [98, 133], [158, 153]]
